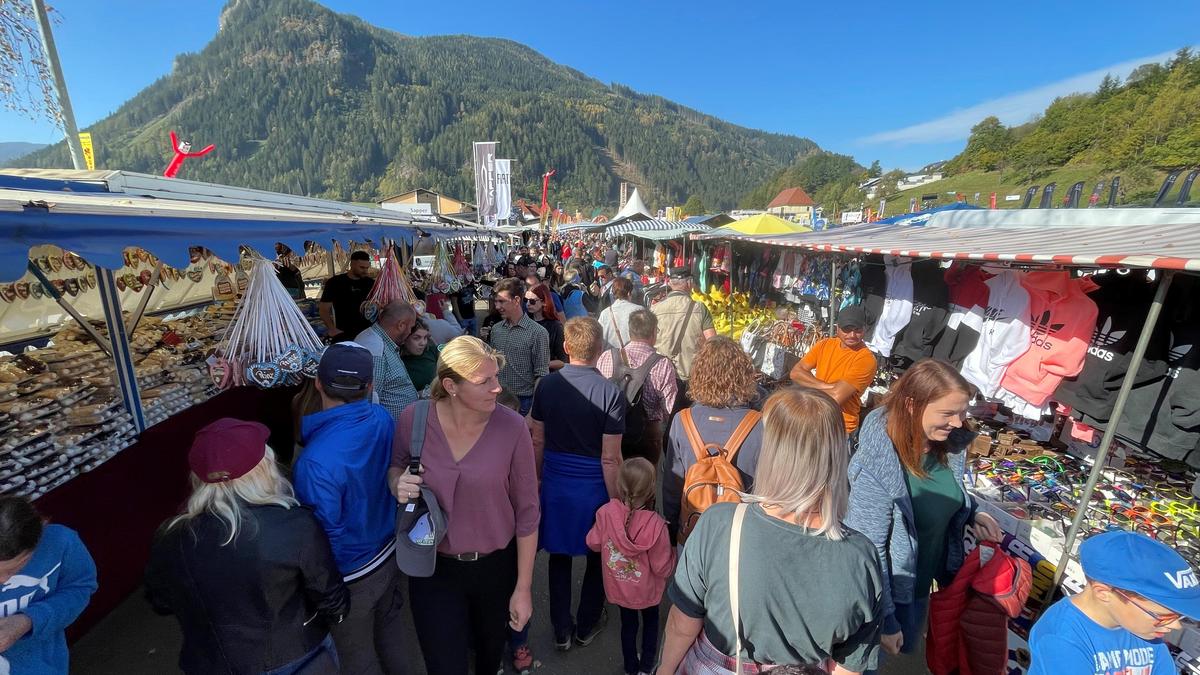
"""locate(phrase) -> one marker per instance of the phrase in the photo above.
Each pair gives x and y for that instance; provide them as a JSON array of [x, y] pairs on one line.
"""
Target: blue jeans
[[526, 404], [470, 326], [643, 663], [322, 659], [912, 626]]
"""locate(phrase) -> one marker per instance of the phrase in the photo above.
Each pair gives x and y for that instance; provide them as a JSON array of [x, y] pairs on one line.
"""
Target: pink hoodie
[[636, 565]]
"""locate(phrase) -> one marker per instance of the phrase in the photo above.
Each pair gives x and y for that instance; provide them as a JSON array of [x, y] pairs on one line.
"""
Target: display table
[[117, 508]]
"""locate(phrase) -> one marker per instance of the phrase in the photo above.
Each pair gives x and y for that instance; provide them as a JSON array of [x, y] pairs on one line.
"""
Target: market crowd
[[788, 531]]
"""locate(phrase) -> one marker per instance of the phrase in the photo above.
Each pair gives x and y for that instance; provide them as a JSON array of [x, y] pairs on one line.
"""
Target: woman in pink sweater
[[633, 543]]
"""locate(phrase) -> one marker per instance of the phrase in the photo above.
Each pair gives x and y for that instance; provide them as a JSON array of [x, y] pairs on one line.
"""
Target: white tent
[[633, 208]]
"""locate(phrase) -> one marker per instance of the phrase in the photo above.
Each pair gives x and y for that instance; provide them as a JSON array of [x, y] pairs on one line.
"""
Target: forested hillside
[[300, 99], [1149, 121]]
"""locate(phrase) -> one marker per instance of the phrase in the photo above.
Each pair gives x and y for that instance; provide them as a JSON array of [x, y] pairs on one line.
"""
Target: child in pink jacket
[[636, 550]]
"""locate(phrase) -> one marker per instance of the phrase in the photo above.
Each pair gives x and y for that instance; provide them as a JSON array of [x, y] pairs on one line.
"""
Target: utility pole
[[60, 85]]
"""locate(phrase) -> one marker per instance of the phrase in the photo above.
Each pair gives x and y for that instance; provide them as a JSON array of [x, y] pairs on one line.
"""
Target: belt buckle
[[469, 557]]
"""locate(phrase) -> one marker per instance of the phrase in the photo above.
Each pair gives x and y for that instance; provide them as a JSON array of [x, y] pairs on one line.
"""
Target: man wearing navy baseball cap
[[1137, 591]]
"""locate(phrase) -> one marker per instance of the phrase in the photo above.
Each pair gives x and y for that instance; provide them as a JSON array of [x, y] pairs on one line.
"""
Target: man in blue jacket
[[46, 579], [342, 476]]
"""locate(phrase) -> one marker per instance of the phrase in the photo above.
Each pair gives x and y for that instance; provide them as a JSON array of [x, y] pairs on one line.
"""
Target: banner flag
[[485, 181], [503, 189], [912, 205], [85, 141], [992, 201]]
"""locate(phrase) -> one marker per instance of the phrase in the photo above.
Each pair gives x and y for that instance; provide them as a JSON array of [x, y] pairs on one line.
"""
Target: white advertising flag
[[485, 181], [503, 189]]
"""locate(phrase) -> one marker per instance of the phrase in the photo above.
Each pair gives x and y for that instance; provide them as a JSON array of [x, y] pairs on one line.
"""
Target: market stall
[[1077, 327], [133, 309]]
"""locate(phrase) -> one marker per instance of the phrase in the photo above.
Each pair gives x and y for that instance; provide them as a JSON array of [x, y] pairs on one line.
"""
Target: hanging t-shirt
[[1066, 642], [897, 306], [968, 302], [929, 299], [834, 362], [1004, 334]]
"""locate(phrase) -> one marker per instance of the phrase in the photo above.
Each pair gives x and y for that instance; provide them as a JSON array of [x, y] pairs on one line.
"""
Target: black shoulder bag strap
[[420, 416], [682, 329], [638, 376]]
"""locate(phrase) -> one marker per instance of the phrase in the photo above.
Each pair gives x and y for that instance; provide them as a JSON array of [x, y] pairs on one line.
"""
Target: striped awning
[[1123, 237], [654, 225]]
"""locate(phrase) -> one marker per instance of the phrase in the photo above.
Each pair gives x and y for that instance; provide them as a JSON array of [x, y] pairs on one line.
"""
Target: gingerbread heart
[[56, 263], [312, 363], [263, 374], [36, 290], [8, 293], [72, 286], [195, 275], [291, 360], [22, 289]]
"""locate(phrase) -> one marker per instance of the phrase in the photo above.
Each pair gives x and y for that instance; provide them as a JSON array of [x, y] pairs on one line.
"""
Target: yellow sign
[[85, 140]]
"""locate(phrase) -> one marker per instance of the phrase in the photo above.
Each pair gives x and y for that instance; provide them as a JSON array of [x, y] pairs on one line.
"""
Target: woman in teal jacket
[[907, 495]]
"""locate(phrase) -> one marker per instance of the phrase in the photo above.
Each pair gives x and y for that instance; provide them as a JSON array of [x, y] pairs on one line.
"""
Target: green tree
[[694, 207], [986, 147]]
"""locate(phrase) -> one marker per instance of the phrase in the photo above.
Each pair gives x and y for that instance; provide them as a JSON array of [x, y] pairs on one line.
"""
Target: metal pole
[[60, 85], [1110, 430], [833, 275]]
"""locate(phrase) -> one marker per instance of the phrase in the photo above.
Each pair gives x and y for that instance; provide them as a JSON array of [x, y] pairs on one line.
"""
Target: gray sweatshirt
[[881, 509]]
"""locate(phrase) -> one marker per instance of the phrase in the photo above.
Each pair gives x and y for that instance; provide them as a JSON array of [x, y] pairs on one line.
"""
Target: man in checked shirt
[[660, 387], [525, 344]]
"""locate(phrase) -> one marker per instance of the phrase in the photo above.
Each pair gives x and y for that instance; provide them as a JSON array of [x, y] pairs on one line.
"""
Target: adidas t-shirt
[[1066, 642]]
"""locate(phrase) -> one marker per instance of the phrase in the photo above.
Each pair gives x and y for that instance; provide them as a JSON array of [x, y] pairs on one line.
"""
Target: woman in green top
[[907, 495], [420, 356], [810, 590]]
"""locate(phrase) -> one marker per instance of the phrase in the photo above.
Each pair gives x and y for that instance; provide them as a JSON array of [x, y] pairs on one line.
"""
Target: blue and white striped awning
[[655, 225]]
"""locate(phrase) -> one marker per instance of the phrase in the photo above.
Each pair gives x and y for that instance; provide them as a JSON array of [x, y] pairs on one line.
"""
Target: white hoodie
[[1004, 335], [897, 306]]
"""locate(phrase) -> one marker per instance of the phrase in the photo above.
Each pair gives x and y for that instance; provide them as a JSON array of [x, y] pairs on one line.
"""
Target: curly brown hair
[[722, 375]]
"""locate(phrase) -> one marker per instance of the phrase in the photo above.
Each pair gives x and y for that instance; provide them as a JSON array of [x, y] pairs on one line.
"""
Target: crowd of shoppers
[[776, 548]]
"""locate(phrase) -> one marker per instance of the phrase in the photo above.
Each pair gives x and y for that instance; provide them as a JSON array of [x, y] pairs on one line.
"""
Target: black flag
[[1166, 186], [1112, 191], [1072, 199], [1186, 189], [1047, 195], [1029, 196], [1095, 198]]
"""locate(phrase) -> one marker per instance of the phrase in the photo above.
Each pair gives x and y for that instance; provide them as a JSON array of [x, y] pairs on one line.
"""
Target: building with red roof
[[793, 204]]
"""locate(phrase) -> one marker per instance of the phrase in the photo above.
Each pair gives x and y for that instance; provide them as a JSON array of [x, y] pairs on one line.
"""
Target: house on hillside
[[422, 201], [793, 204], [871, 186]]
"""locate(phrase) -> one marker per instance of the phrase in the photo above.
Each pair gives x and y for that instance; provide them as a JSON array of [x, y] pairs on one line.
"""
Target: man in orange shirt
[[844, 366]]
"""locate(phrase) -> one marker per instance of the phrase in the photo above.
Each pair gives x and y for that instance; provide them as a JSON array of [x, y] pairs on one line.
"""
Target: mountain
[[300, 99], [16, 149]]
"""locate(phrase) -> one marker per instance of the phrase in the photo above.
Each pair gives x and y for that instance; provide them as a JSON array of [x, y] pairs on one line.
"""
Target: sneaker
[[522, 659], [585, 640], [562, 642]]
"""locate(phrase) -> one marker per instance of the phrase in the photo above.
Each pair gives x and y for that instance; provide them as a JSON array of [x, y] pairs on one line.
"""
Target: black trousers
[[629, 632], [464, 606], [591, 596]]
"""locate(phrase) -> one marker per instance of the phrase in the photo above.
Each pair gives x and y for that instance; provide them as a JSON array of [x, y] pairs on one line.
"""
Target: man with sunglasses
[[1137, 591], [843, 364], [525, 344]]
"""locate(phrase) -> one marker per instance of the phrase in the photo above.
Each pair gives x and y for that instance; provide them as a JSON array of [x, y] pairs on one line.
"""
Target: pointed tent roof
[[633, 208], [795, 196]]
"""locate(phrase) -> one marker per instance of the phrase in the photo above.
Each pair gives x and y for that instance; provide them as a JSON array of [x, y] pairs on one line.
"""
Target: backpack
[[631, 381], [713, 478]]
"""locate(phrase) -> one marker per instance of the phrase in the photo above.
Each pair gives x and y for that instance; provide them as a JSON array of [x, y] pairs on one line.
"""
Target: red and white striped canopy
[[1122, 237]]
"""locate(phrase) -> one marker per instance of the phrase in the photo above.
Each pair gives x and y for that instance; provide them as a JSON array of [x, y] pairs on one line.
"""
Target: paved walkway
[[135, 641]]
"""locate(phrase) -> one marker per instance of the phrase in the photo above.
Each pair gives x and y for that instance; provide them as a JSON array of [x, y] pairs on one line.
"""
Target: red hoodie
[[637, 564]]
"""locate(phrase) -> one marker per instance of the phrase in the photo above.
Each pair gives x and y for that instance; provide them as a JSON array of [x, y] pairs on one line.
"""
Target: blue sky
[[898, 82]]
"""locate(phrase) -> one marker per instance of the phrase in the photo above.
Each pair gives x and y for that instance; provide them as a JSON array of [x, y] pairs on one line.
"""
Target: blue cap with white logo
[[1134, 562]]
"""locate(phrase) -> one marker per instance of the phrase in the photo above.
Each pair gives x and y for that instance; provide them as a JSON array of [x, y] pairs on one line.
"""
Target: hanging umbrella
[[764, 223]]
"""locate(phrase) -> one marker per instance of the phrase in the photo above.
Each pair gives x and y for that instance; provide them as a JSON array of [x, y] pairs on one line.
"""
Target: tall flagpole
[[60, 85]]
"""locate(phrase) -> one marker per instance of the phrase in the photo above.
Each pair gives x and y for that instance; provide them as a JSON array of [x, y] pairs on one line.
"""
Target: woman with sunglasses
[[540, 307], [1137, 591]]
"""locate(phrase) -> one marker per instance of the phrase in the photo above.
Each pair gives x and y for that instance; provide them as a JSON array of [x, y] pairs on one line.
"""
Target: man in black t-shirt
[[342, 297]]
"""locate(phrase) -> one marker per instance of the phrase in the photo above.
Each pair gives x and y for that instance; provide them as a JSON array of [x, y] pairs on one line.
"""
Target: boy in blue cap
[[1137, 591]]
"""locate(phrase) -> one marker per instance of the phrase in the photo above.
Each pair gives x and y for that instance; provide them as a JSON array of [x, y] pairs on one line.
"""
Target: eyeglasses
[[850, 329], [534, 299], [1160, 620]]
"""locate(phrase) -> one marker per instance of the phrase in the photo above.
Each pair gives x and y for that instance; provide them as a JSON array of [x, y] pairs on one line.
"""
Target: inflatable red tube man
[[182, 151]]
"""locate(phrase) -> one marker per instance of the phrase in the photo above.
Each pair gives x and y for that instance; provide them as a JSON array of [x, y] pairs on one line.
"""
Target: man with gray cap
[[1137, 591], [342, 477], [843, 364], [683, 323]]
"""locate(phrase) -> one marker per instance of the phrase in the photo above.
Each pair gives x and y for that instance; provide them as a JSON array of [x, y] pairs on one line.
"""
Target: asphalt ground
[[133, 640]]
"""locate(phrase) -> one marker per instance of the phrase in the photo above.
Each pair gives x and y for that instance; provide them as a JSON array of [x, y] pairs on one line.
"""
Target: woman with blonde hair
[[907, 496], [249, 575], [722, 388], [808, 590], [477, 459]]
